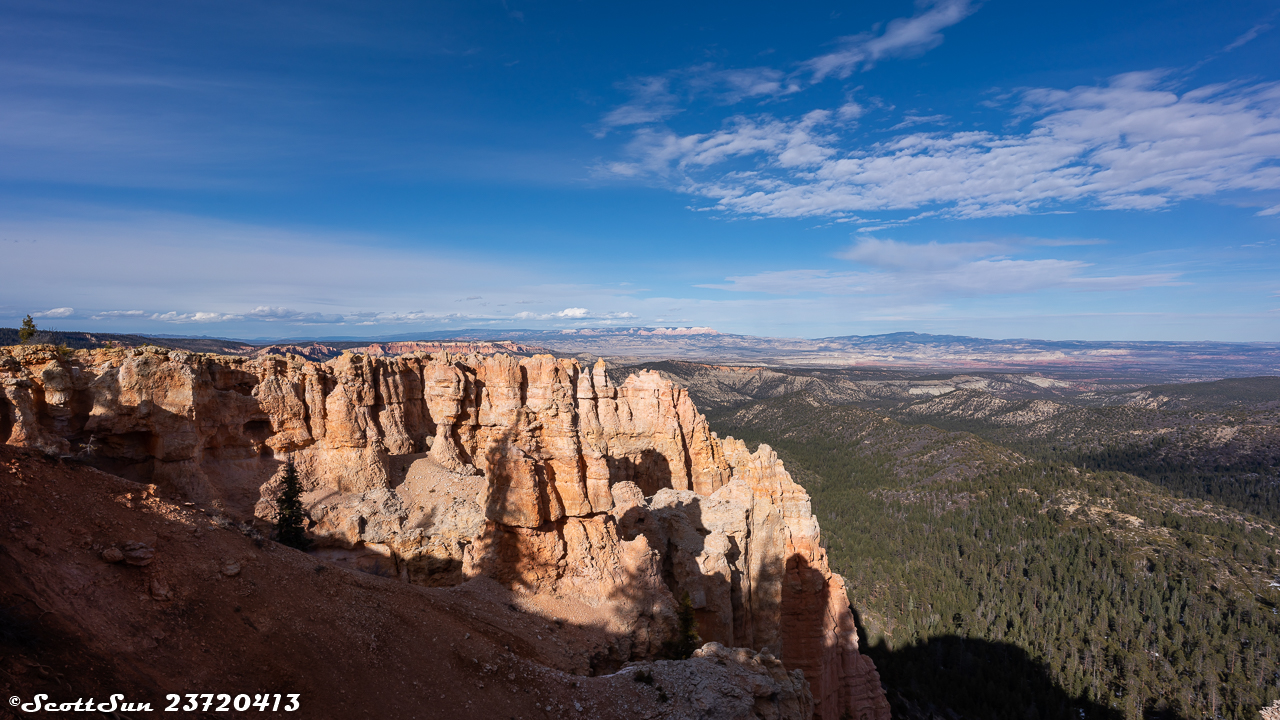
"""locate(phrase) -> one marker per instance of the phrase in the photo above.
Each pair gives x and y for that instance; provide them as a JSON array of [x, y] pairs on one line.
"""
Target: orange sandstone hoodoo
[[606, 501]]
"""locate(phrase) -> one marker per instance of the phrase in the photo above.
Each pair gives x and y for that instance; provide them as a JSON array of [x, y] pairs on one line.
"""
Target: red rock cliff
[[536, 472]]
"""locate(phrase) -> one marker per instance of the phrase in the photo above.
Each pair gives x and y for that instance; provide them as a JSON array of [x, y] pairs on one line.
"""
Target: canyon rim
[[606, 505]]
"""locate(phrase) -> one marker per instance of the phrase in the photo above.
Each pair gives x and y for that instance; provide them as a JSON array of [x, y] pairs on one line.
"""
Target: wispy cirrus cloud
[[574, 313], [731, 86], [145, 272], [889, 254], [913, 120], [195, 317], [1249, 35], [901, 37], [1130, 144], [797, 144], [412, 317], [265, 313], [935, 270], [60, 312], [651, 101], [283, 314], [118, 314], [656, 98]]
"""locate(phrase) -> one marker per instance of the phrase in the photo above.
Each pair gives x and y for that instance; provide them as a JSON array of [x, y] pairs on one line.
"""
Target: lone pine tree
[[27, 331], [686, 641], [289, 515]]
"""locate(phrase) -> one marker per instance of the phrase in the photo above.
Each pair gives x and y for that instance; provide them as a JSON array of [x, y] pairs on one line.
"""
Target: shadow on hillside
[[956, 677]]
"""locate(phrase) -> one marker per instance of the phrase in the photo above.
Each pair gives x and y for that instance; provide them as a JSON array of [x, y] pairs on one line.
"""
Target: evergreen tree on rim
[[686, 641], [27, 331], [289, 516]]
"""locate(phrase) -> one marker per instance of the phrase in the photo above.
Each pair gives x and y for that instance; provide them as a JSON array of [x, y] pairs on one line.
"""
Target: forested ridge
[[1230, 457], [998, 583]]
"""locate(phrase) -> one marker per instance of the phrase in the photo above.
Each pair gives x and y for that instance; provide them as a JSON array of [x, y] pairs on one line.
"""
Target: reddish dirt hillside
[[216, 611]]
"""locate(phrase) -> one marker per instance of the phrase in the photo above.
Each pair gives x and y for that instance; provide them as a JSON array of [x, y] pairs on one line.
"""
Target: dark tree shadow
[[953, 676], [7, 418], [651, 471]]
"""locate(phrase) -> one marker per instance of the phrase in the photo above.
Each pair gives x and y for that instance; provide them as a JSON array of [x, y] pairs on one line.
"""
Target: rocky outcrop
[[536, 472], [730, 683], [751, 559]]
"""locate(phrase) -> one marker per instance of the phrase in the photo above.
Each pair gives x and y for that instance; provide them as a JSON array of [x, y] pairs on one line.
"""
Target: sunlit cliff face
[[439, 469]]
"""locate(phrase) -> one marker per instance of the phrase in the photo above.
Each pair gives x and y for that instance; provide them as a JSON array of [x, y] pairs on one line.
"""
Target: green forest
[[993, 584], [1244, 479]]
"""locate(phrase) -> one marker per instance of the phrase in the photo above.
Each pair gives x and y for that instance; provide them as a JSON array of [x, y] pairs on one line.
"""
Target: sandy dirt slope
[[217, 611]]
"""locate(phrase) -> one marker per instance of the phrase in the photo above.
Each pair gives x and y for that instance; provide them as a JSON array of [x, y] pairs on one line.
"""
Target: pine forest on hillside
[[1017, 580]]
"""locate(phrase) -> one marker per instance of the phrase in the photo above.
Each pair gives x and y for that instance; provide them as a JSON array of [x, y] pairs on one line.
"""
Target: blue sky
[[998, 169]]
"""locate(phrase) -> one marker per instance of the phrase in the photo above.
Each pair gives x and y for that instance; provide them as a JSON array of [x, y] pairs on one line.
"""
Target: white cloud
[[114, 314], [262, 312], [573, 313], [55, 313], [939, 269], [901, 37], [195, 317], [651, 101], [1248, 36], [981, 277], [789, 144], [732, 86], [912, 120], [1127, 145], [1062, 242], [276, 314], [850, 111], [399, 318], [656, 98], [890, 254], [124, 271]]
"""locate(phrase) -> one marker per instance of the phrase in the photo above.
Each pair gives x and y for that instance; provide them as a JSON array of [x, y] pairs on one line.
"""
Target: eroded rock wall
[[536, 472]]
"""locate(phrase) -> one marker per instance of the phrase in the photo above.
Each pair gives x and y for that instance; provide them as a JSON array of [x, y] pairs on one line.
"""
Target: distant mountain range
[[1074, 358], [1170, 361]]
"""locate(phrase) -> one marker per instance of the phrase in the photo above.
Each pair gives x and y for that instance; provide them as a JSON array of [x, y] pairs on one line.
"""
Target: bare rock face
[[536, 472]]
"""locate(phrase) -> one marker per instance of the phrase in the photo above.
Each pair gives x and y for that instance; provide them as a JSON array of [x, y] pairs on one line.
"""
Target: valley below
[[1028, 546]]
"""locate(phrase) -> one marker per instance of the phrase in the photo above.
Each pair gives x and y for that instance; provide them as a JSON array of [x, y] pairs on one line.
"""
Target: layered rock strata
[[536, 472]]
